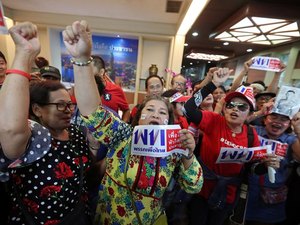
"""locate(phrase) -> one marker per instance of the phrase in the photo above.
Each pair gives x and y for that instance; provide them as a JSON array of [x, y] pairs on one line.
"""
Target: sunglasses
[[241, 106]]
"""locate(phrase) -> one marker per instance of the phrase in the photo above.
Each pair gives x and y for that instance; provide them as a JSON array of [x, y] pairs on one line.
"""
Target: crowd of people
[[67, 156]]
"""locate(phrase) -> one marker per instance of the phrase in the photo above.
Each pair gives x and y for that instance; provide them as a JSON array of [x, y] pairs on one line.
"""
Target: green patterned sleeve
[[107, 128], [191, 179]]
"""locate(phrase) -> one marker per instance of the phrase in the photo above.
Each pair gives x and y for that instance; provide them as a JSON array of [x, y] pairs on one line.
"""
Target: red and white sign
[[156, 141], [241, 155], [277, 147], [266, 63]]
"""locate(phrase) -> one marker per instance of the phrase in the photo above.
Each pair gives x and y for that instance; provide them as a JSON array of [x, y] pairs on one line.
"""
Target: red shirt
[[114, 97], [182, 121], [217, 134]]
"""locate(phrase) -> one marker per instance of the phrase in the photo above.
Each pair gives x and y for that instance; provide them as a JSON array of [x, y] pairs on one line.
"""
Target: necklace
[[234, 133]]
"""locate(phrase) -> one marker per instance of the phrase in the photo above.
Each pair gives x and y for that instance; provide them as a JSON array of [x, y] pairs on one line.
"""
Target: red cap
[[245, 93]]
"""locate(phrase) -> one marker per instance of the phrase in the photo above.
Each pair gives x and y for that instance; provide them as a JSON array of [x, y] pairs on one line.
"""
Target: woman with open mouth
[[133, 185]]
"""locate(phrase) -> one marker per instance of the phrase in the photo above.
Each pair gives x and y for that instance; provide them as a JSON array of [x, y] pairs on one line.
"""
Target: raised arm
[[238, 80], [78, 41], [191, 106], [14, 95], [273, 86]]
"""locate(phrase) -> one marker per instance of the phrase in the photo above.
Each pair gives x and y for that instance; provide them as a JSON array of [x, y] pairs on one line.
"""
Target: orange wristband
[[19, 72]]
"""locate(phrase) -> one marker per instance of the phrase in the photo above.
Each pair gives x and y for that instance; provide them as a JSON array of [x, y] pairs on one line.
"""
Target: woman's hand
[[26, 40], [78, 40], [220, 76], [272, 160], [187, 141], [219, 106], [247, 64]]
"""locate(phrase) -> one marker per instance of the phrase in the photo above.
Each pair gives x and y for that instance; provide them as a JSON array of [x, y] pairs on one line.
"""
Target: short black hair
[[148, 78], [98, 62]]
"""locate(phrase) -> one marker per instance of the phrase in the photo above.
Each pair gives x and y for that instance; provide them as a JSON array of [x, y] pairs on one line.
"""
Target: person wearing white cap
[[266, 204], [220, 131]]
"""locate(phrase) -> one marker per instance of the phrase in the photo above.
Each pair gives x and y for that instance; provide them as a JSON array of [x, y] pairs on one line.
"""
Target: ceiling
[[219, 12], [215, 13]]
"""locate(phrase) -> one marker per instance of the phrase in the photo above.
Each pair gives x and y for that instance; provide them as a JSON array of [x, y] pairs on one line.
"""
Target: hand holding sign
[[266, 63], [161, 140], [187, 141]]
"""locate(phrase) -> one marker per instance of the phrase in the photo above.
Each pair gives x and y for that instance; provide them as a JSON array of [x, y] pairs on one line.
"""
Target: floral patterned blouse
[[147, 177], [49, 186]]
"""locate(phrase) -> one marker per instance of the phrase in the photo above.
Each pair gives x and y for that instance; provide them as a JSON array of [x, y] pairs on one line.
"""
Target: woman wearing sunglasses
[[227, 130], [47, 185]]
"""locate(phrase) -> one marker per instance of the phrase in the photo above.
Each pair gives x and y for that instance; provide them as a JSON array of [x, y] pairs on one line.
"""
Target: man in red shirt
[[113, 95]]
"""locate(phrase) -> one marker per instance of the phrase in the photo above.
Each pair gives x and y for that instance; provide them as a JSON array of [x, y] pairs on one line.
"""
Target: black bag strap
[[250, 135], [239, 212]]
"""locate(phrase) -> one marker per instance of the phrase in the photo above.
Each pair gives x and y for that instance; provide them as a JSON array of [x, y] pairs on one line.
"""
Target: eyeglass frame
[[239, 106], [181, 84], [64, 104]]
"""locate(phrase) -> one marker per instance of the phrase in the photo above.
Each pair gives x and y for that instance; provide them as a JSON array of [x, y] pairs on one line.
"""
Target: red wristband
[[19, 72]]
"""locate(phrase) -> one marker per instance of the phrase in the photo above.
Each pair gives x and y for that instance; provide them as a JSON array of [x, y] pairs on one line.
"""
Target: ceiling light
[[249, 50], [204, 56], [255, 23], [194, 10], [226, 43], [186, 44], [209, 62], [195, 34], [191, 63]]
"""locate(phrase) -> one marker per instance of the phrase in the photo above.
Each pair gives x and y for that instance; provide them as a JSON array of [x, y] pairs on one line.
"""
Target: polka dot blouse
[[49, 186]]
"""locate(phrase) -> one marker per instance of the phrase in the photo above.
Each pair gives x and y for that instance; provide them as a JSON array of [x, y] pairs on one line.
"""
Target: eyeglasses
[[62, 106], [241, 106], [155, 87], [179, 83]]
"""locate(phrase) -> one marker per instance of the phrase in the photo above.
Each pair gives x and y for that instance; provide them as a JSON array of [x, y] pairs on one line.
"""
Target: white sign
[[242, 155], [266, 63], [277, 147], [156, 141]]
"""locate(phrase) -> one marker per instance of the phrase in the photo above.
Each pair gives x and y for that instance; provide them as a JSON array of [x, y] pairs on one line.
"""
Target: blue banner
[[119, 55]]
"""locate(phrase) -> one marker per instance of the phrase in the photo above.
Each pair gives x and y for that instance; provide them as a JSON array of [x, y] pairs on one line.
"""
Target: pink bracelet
[[19, 72]]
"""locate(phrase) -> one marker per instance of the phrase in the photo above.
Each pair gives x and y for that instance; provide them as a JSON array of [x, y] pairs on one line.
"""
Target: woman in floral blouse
[[47, 185], [147, 177]]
